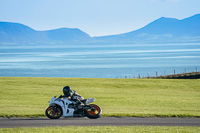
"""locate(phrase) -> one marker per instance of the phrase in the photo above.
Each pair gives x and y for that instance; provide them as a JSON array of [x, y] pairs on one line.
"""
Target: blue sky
[[95, 17]]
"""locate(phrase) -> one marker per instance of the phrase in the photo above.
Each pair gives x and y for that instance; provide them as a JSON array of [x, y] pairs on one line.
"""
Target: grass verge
[[28, 97], [106, 129]]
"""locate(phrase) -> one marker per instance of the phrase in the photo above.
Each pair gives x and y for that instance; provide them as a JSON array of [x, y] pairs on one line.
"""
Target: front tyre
[[53, 112], [93, 112]]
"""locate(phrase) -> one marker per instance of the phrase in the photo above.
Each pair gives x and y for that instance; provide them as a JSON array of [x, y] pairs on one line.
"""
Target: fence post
[[174, 71]]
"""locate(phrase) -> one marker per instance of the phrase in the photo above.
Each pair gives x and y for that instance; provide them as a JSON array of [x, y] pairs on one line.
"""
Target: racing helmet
[[67, 91]]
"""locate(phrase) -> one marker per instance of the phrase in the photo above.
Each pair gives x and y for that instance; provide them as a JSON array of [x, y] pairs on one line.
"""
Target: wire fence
[[196, 69]]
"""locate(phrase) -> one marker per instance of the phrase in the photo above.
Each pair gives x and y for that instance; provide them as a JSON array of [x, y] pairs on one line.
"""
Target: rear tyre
[[53, 112], [94, 112]]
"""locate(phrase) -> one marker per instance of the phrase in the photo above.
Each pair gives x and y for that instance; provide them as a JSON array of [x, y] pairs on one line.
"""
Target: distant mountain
[[19, 33], [162, 30], [67, 34], [14, 32]]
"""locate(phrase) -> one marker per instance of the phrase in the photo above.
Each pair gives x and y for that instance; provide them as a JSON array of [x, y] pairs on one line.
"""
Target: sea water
[[99, 61]]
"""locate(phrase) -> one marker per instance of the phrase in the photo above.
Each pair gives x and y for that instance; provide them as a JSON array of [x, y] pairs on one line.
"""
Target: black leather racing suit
[[74, 97]]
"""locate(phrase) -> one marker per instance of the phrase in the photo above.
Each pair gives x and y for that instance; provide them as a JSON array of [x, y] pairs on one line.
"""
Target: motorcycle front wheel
[[53, 112], [93, 112]]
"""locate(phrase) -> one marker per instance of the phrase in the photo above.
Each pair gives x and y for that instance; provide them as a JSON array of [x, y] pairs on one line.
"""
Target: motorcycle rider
[[73, 95]]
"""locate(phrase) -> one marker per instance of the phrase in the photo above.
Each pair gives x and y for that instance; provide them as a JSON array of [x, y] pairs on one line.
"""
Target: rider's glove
[[73, 98]]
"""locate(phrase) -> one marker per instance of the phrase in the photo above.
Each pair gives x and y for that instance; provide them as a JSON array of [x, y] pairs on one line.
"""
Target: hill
[[191, 75], [19, 33], [162, 30], [67, 34]]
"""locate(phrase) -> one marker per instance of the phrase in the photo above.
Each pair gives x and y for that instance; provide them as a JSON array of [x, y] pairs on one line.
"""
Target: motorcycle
[[65, 107]]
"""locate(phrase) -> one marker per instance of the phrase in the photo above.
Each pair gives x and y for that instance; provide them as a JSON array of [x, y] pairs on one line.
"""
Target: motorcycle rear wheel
[[53, 112], [94, 112]]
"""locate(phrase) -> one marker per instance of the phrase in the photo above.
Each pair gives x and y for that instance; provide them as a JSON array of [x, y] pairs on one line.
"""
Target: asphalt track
[[103, 121]]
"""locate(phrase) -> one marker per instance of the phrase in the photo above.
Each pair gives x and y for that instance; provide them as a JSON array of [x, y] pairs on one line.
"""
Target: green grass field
[[130, 129], [117, 97]]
